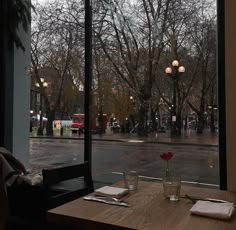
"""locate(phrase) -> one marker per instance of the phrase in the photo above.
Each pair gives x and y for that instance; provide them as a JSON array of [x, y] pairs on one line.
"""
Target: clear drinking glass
[[131, 180], [172, 187]]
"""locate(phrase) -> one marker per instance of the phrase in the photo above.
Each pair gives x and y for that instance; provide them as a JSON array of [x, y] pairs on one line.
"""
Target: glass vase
[[171, 186], [167, 173]]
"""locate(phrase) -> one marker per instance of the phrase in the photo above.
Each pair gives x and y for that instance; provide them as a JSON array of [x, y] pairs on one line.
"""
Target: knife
[[195, 199], [106, 201]]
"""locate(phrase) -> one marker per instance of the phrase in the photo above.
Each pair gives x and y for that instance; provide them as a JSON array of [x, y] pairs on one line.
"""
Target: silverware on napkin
[[106, 200], [195, 199]]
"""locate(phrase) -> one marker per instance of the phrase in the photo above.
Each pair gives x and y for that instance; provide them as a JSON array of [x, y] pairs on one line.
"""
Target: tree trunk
[[200, 124], [142, 127], [49, 125], [155, 124], [185, 122], [212, 122], [100, 122], [201, 116]]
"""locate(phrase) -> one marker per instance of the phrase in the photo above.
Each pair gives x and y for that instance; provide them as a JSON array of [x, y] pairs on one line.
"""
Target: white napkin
[[111, 191], [212, 209]]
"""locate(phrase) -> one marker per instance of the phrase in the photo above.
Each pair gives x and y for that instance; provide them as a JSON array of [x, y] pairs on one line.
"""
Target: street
[[198, 163]]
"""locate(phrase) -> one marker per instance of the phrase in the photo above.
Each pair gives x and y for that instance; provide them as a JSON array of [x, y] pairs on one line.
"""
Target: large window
[[154, 87]]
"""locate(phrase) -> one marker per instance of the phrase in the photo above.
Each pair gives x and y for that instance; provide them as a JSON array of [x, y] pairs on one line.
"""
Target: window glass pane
[[154, 88], [57, 83], [155, 78]]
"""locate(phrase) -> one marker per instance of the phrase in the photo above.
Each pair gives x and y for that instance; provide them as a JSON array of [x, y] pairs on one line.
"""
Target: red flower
[[166, 156]]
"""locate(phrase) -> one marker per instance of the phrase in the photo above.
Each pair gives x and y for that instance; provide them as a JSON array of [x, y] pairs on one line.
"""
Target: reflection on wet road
[[192, 162]]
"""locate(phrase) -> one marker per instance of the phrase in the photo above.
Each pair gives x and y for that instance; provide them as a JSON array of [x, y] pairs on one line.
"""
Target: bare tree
[[188, 42], [52, 47], [203, 38], [133, 42]]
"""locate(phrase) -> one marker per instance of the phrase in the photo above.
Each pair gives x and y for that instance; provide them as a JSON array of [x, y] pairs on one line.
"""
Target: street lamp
[[41, 86], [31, 122], [174, 73]]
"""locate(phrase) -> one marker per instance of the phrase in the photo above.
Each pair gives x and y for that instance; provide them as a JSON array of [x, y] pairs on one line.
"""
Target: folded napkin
[[111, 191], [212, 209]]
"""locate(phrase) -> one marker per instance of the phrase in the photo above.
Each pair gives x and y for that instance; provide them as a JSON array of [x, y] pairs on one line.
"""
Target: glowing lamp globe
[[168, 70], [181, 69]]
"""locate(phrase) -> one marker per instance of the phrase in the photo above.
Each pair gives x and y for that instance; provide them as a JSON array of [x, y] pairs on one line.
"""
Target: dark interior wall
[[6, 78], [2, 72]]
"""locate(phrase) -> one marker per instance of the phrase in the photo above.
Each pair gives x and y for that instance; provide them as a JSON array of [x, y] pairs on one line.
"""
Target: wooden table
[[148, 210]]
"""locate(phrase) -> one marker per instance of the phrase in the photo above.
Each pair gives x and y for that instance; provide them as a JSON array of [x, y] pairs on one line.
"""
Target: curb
[[124, 140]]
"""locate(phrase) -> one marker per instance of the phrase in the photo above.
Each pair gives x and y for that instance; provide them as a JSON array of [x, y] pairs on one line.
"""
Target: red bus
[[78, 123]]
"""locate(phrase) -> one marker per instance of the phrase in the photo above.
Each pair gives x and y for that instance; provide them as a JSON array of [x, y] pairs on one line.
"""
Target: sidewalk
[[188, 137]]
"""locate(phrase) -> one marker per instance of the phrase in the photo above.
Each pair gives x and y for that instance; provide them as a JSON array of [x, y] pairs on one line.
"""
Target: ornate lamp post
[[41, 87], [174, 73]]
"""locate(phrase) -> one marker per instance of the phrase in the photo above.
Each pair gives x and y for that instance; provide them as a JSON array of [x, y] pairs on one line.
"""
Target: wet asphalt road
[[193, 162]]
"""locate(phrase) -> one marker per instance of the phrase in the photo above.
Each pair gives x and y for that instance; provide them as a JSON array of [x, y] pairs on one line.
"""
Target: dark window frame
[[221, 88], [221, 93]]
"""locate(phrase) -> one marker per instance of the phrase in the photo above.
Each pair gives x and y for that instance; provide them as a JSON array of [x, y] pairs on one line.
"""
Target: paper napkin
[[111, 191], [212, 209]]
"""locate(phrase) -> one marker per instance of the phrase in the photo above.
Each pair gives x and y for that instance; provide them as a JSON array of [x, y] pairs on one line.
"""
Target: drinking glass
[[172, 187], [131, 180]]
